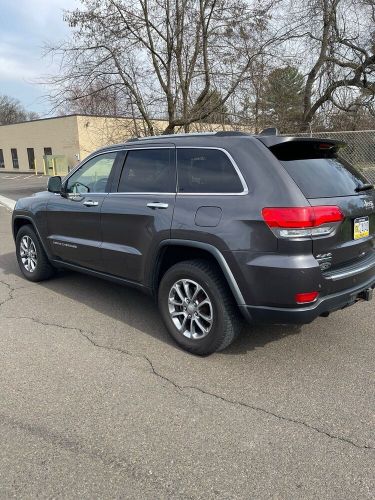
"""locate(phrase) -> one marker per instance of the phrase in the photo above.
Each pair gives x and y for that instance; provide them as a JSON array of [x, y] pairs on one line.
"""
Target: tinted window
[[31, 157], [93, 176], [14, 154], [317, 171], [206, 171], [148, 171], [2, 164], [47, 151]]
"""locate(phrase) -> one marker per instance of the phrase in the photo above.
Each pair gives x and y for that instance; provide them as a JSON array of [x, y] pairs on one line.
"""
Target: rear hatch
[[326, 179]]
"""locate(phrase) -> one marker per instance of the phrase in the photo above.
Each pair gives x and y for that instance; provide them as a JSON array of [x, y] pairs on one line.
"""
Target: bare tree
[[337, 40], [12, 111], [97, 100], [165, 59]]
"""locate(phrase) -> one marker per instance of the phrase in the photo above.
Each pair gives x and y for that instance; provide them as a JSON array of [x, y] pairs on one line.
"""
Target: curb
[[7, 202], [21, 172]]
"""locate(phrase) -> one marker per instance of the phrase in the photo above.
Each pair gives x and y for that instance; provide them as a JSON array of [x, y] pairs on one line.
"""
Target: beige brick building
[[24, 145]]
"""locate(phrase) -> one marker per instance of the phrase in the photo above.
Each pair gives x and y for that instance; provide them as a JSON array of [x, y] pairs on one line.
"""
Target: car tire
[[31, 257], [211, 325]]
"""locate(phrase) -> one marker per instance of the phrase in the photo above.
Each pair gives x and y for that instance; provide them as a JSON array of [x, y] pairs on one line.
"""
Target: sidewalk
[[7, 202]]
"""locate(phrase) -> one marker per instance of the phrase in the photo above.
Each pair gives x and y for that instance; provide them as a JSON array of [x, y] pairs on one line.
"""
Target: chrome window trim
[[119, 150], [82, 164], [234, 164], [169, 146], [153, 193], [90, 157], [84, 195]]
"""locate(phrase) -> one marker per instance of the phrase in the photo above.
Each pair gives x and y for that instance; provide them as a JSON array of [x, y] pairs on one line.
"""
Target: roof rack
[[230, 133], [221, 133]]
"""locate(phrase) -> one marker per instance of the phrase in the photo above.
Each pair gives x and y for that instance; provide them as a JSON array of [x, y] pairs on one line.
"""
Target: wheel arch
[[25, 220], [192, 249], [19, 221]]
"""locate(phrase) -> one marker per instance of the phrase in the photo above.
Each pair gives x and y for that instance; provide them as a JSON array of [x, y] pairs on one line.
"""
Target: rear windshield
[[317, 170]]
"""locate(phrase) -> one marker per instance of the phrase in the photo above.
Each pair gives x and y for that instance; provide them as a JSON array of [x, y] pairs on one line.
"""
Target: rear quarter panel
[[241, 234]]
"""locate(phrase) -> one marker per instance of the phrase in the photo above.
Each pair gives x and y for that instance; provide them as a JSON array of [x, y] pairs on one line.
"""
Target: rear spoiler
[[274, 140]]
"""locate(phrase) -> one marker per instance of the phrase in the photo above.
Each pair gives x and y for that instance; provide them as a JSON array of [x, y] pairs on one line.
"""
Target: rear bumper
[[303, 315]]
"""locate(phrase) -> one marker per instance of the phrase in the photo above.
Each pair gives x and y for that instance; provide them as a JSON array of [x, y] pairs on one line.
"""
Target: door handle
[[157, 204], [90, 203]]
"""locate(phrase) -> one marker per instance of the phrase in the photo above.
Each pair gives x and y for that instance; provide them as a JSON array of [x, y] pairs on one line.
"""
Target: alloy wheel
[[28, 254], [190, 309]]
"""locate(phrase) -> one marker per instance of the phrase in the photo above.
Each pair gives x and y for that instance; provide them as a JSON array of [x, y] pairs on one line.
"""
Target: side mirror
[[54, 184]]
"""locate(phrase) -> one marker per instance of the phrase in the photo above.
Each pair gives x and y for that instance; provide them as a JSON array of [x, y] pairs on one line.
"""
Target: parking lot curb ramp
[[7, 202]]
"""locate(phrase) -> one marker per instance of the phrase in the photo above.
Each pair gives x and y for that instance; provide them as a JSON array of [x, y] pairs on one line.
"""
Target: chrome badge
[[368, 204], [325, 261]]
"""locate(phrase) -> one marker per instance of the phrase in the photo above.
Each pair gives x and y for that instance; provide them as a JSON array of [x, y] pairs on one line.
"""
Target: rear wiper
[[364, 187]]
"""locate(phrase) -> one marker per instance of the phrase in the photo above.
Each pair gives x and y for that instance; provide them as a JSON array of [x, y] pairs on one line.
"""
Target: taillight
[[326, 146], [300, 222], [306, 298]]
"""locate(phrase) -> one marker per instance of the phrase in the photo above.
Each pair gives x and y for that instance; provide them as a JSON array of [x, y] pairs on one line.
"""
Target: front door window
[[93, 176]]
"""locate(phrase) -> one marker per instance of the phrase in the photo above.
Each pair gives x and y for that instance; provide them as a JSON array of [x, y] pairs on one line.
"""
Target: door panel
[[73, 218], [74, 229], [131, 231], [136, 218]]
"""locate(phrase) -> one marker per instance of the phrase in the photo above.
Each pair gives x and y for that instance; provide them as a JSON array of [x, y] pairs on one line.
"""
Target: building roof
[[77, 114]]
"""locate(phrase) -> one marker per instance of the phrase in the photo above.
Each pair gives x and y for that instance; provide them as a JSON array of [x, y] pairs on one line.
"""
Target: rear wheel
[[197, 307], [31, 257]]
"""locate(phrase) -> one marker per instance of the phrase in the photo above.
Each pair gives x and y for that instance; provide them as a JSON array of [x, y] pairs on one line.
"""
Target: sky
[[25, 26]]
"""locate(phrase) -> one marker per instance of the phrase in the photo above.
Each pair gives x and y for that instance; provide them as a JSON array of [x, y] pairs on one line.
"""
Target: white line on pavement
[[7, 202]]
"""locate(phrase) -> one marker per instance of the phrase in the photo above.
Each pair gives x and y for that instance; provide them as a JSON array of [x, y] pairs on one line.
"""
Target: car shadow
[[128, 305]]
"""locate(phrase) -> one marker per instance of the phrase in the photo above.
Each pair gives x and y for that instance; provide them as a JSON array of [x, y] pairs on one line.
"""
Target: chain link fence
[[360, 149]]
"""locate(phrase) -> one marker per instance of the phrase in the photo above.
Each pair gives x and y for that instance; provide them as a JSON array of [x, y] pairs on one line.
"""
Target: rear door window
[[148, 171], [317, 169], [206, 171]]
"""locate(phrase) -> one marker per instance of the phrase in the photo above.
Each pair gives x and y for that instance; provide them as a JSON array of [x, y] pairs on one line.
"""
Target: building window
[[47, 151], [14, 158], [31, 158], [2, 164]]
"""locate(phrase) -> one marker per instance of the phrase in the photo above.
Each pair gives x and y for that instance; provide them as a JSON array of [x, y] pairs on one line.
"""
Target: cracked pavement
[[97, 401]]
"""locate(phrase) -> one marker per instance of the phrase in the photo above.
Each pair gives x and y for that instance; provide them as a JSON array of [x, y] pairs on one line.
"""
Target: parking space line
[[17, 177]]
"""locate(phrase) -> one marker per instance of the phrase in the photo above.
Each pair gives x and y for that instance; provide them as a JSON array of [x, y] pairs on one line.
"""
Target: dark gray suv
[[278, 229]]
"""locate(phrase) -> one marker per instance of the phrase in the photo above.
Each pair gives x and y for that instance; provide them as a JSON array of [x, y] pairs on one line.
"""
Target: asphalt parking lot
[[16, 186], [97, 402]]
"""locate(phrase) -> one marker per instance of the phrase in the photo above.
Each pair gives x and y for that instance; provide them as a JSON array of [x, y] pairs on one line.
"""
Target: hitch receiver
[[366, 294]]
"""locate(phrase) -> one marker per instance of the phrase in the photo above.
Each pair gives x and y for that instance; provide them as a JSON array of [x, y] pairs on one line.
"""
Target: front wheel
[[197, 307], [31, 257]]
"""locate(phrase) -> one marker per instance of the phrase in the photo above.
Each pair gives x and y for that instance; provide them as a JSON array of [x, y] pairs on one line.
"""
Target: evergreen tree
[[282, 99]]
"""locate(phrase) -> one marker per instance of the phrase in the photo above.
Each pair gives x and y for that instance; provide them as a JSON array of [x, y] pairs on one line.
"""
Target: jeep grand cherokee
[[279, 229]]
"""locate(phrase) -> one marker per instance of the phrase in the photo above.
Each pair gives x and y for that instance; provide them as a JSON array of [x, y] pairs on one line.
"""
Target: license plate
[[361, 228]]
